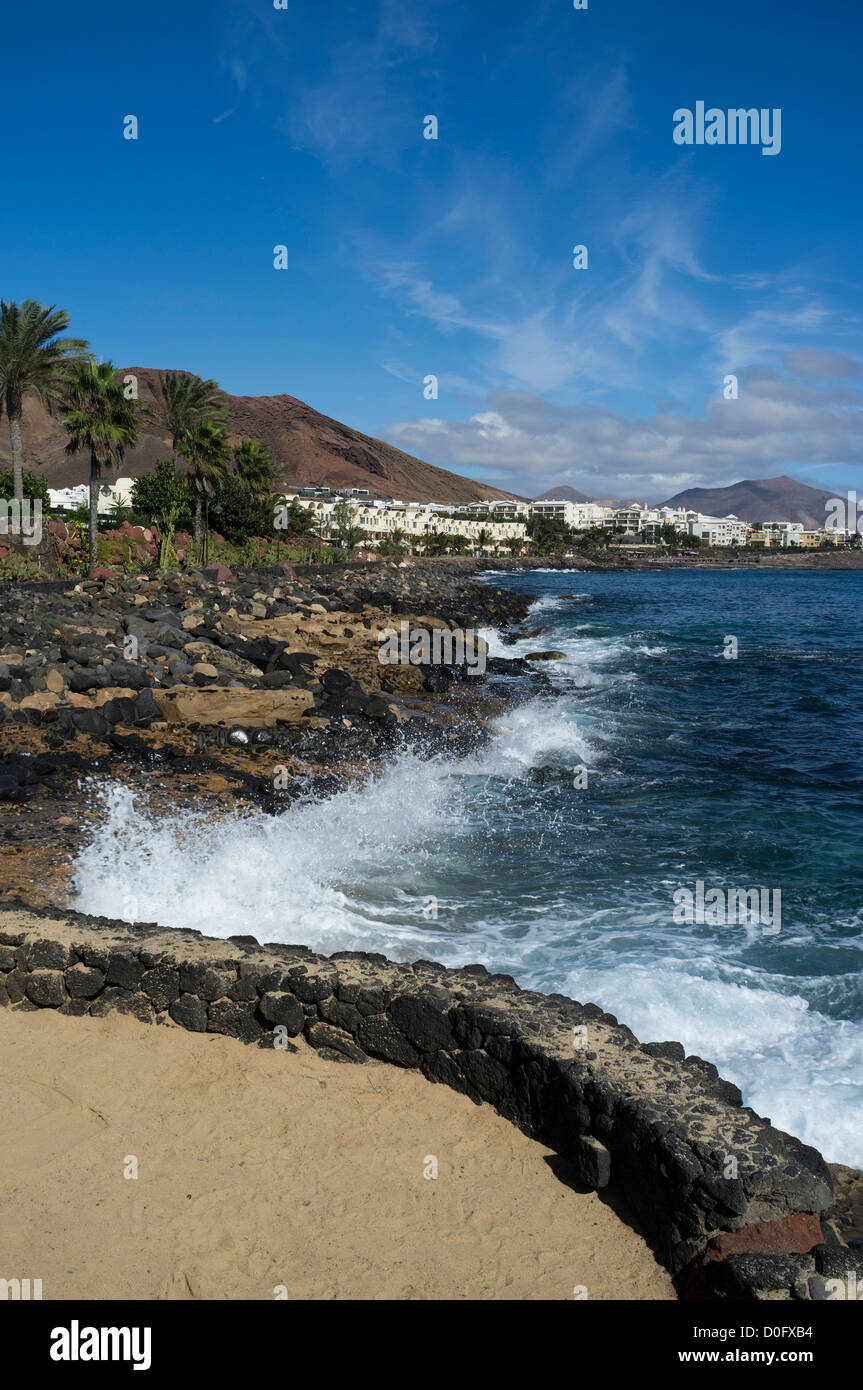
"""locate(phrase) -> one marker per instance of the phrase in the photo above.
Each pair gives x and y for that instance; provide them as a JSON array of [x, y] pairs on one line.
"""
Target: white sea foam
[[802, 1070], [545, 604], [321, 871], [310, 875], [369, 867], [540, 731]]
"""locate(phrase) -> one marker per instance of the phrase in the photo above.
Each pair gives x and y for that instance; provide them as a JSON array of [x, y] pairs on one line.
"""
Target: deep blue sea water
[[739, 773]]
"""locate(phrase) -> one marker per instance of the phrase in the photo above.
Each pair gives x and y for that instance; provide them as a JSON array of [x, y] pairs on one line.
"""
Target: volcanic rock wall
[[731, 1204]]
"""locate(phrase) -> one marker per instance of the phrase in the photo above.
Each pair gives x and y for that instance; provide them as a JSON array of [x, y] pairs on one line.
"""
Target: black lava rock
[[281, 1008], [190, 1012]]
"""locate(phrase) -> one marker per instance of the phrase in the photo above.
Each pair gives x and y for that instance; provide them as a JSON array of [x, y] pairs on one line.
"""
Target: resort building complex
[[500, 526]]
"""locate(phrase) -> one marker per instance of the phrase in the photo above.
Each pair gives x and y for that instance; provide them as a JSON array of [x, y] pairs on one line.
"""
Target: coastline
[[314, 703], [326, 735], [802, 561]]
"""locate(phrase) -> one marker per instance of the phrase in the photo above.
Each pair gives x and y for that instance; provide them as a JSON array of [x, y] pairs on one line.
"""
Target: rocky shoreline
[[721, 558], [200, 685], [218, 690], [194, 689]]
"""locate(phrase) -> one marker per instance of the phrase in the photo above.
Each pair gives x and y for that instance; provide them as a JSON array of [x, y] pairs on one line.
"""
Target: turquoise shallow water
[[741, 774]]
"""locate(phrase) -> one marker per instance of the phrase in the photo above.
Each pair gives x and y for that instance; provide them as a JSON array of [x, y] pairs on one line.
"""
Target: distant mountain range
[[310, 449], [759, 499]]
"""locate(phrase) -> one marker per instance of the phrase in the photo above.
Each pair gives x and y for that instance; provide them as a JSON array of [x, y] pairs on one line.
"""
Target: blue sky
[[410, 257]]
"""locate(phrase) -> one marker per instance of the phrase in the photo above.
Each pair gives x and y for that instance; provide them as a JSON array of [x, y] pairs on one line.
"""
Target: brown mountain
[[310, 450], [760, 499]]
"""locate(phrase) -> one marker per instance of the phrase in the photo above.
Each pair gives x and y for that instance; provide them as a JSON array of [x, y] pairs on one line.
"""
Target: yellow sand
[[259, 1169]]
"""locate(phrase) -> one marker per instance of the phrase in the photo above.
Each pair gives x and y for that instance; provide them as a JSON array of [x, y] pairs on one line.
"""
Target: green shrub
[[243, 516], [34, 488], [15, 568], [154, 494]]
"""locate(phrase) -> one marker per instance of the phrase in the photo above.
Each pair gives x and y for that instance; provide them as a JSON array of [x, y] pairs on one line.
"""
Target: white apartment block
[[71, 498], [553, 510], [717, 530], [416, 521], [588, 514], [505, 521], [498, 510], [710, 530], [783, 533], [635, 518]]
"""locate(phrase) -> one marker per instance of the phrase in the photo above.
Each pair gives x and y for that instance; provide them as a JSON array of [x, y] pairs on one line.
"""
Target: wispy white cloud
[[593, 107], [770, 330], [362, 103], [545, 325]]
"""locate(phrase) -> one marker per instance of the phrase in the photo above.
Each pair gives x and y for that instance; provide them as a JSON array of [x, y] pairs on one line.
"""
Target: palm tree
[[181, 400], [344, 524], [436, 542], [547, 536], [204, 446], [394, 543], [33, 359], [484, 538], [441, 542], [97, 416], [255, 467]]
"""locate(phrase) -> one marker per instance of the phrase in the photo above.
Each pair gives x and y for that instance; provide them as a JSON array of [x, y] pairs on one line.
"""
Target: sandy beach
[[259, 1169]]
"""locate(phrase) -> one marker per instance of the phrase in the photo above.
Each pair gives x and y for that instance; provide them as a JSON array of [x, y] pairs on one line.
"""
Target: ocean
[[569, 850]]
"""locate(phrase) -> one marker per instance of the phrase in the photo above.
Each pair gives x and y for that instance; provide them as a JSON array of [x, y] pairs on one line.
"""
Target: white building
[[589, 514], [554, 510], [418, 520], [500, 510], [717, 530], [635, 518], [783, 533], [70, 498]]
